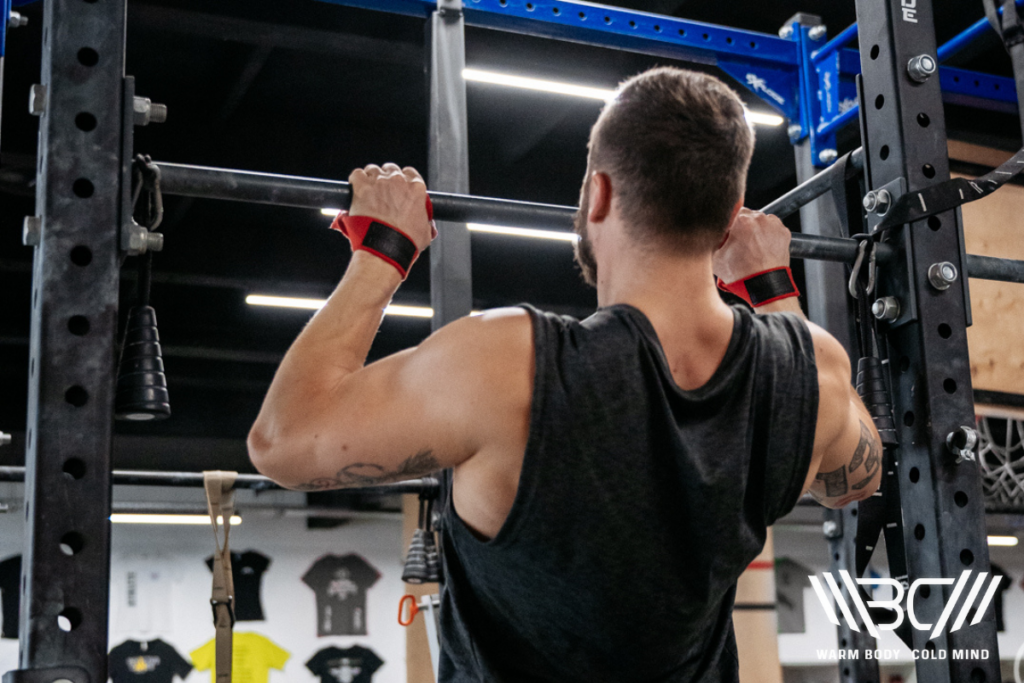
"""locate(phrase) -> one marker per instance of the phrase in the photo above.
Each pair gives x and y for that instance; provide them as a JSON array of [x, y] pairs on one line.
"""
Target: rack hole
[[632, 24], [934, 222], [930, 646], [949, 384], [923, 120], [657, 28], [837, 557], [977, 675], [879, 101], [91, 2], [81, 256], [842, 643], [884, 152], [904, 364], [960, 498], [529, 7], [853, 512], [706, 37], [874, 52], [583, 16], [846, 671], [32, 367], [78, 325], [76, 396], [74, 468], [85, 121], [915, 475], [753, 45], [928, 170], [945, 331], [88, 57], [682, 31], [556, 11], [919, 532], [729, 40], [908, 418], [72, 543], [83, 188], [967, 557], [607, 20], [28, 440], [69, 619]]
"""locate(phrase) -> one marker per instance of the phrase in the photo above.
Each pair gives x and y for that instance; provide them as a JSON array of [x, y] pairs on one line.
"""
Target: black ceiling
[[315, 89]]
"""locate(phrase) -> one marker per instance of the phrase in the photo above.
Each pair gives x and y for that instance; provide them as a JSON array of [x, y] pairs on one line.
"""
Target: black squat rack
[[84, 227]]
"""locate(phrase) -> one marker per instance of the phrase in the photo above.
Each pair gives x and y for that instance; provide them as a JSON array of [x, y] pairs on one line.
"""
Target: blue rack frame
[[806, 79]]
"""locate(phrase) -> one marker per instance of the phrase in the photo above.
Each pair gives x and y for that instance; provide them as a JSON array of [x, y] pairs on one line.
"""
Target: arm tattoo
[[369, 474], [835, 482], [862, 447], [874, 457]]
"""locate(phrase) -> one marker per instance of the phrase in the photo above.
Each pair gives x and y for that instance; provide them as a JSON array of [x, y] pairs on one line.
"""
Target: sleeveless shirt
[[639, 505]]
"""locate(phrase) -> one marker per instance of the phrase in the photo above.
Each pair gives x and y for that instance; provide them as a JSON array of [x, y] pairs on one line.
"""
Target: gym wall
[[172, 581]]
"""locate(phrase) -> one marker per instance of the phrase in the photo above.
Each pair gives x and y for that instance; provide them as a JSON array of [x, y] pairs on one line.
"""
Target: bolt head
[[786, 32], [827, 156], [921, 68], [870, 201], [886, 308], [817, 32], [830, 529], [795, 130], [942, 275], [37, 100]]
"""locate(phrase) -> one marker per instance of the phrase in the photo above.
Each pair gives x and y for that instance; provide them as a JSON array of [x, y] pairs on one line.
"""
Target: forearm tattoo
[[370, 474], [874, 456], [867, 454], [835, 482]]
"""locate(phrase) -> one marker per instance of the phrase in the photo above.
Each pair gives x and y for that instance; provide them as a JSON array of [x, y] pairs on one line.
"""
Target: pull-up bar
[[315, 193]]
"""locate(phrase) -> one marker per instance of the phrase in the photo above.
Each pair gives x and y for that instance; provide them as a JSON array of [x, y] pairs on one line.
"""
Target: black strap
[[387, 241], [1010, 29], [950, 194], [768, 286], [845, 184]]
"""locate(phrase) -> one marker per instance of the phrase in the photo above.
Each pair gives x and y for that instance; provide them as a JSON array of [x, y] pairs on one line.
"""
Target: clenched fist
[[754, 243], [396, 196]]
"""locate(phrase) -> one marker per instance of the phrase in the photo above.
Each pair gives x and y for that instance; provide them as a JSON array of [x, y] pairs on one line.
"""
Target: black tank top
[[638, 507]]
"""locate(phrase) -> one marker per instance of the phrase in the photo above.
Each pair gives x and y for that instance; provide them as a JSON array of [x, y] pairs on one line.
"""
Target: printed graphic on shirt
[[790, 580], [252, 658], [351, 665], [10, 596], [340, 584], [142, 593], [148, 662], [247, 573]]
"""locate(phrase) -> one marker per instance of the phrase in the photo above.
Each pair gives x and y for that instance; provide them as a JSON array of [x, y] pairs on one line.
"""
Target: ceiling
[[315, 89]]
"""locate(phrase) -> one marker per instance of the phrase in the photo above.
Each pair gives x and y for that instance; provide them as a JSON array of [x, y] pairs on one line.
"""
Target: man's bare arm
[[847, 456], [328, 422]]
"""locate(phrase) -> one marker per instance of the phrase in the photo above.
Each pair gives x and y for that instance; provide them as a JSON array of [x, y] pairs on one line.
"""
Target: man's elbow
[[269, 455]]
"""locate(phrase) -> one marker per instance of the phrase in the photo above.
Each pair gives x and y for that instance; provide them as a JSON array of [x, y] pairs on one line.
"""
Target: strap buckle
[[229, 603]]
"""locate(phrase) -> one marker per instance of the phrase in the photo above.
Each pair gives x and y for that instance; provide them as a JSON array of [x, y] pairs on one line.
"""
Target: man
[[611, 478]]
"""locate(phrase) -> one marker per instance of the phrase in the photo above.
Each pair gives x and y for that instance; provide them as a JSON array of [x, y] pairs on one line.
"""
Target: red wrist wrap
[[380, 239], [764, 287]]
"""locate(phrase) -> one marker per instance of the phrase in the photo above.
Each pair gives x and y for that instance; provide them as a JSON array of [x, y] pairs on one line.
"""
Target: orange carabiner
[[414, 609]]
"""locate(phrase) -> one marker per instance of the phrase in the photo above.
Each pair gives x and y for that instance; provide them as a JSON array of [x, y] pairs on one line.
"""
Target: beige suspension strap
[[220, 501]]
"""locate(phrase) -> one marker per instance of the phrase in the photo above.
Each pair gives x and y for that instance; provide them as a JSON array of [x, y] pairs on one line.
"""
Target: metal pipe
[[315, 193], [808, 191], [838, 122], [962, 39], [424, 485], [991, 268], [844, 37]]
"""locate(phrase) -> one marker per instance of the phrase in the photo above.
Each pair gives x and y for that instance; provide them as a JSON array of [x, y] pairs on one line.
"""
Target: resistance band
[[220, 501]]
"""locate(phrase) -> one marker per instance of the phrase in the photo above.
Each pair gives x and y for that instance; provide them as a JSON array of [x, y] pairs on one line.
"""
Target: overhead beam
[[271, 35]]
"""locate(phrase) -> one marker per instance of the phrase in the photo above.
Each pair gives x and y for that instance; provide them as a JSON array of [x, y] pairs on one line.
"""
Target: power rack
[[84, 226]]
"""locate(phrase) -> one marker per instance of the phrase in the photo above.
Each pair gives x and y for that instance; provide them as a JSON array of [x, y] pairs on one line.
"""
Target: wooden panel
[[757, 631], [994, 226]]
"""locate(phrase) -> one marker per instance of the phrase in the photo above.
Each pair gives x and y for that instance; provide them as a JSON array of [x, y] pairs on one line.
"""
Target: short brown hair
[[677, 147]]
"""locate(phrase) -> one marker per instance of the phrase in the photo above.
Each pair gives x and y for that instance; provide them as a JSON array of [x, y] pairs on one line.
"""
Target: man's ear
[[600, 197]]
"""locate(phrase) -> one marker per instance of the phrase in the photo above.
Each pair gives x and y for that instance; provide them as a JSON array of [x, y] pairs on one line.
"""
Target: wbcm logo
[[896, 603]]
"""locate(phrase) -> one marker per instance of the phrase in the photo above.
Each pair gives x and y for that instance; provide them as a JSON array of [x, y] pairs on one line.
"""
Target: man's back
[[639, 504]]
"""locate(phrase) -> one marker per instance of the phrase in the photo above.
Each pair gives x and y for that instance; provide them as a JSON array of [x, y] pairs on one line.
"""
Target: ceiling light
[[604, 94], [330, 212], [1007, 541], [316, 304], [125, 518], [524, 232], [537, 84]]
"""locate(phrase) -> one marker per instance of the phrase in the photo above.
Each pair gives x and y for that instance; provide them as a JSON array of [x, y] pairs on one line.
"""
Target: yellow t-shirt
[[252, 658]]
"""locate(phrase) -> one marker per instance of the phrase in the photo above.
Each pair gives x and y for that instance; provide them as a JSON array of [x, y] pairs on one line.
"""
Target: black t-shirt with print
[[10, 595], [152, 662], [340, 584], [351, 665], [247, 573]]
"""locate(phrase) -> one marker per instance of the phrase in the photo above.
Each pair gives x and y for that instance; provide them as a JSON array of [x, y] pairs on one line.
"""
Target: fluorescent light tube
[[524, 232], [558, 88], [330, 212], [125, 518], [316, 304], [1006, 541]]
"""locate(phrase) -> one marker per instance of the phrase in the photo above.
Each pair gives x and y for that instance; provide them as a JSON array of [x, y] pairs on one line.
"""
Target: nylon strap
[[220, 501], [950, 194]]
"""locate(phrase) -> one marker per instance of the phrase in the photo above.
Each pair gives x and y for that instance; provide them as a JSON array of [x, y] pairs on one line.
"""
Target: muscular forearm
[[333, 345]]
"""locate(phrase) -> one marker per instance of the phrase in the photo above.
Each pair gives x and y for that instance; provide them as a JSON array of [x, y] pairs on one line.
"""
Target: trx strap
[[220, 501], [950, 194], [845, 181], [1011, 31]]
